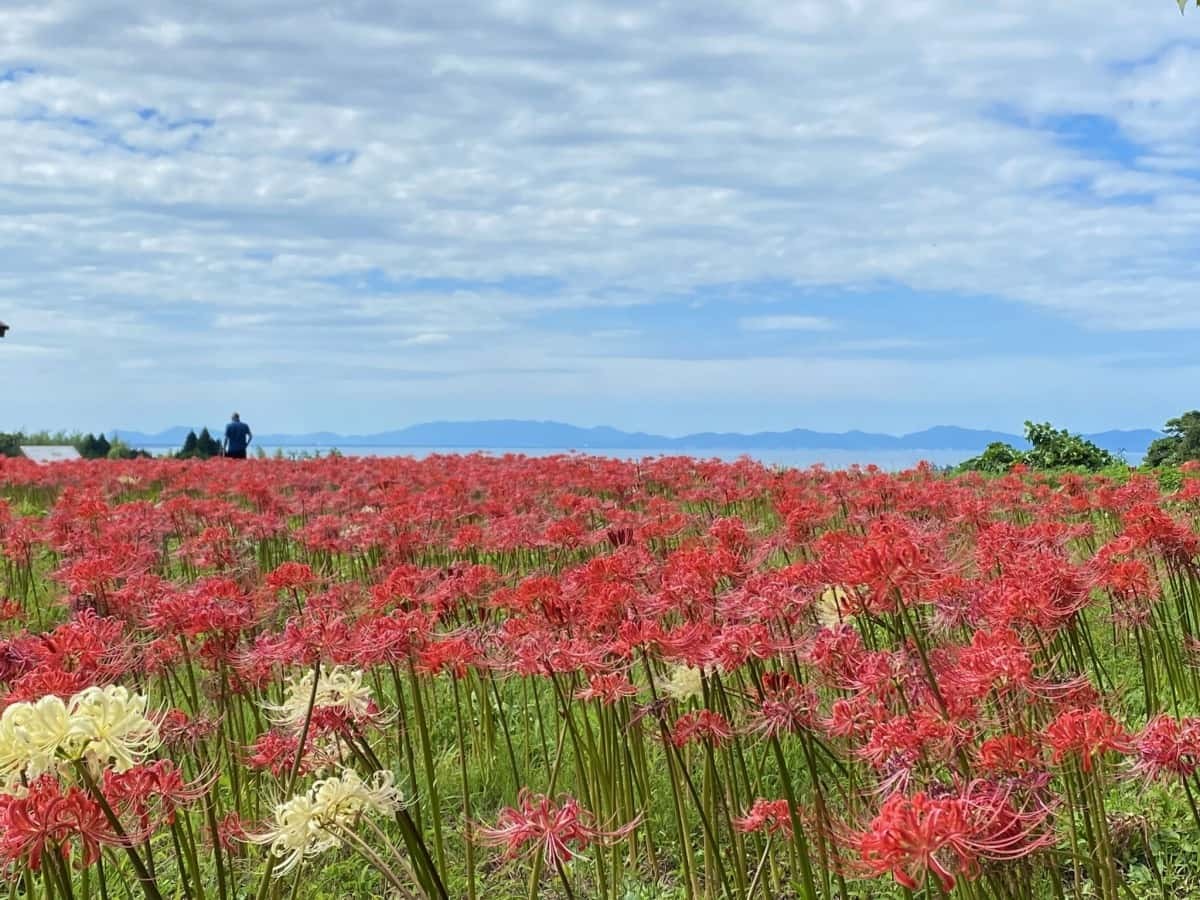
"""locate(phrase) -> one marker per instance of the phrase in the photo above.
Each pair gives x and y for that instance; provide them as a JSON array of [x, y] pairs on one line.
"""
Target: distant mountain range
[[516, 434]]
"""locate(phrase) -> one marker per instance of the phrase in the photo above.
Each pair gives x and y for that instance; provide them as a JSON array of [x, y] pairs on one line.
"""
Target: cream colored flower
[[104, 725], [339, 688], [307, 825], [685, 683], [32, 739], [109, 726], [831, 606], [47, 728]]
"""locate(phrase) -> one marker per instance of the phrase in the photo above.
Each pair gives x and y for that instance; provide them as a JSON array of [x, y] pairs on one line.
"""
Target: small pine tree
[[190, 446], [206, 445]]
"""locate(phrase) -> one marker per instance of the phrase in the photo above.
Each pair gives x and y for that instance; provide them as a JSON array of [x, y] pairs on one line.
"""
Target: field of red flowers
[[574, 677]]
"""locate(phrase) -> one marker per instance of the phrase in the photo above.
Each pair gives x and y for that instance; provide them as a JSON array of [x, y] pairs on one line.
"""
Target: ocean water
[[890, 460]]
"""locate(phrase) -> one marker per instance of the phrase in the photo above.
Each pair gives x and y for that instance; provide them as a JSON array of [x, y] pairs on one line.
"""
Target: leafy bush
[[1050, 448], [1181, 443]]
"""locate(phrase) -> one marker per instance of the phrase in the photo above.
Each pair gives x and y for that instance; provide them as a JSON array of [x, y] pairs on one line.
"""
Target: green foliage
[[1059, 449], [121, 450], [207, 445], [90, 446], [997, 459], [1180, 443], [190, 443], [10, 444], [201, 446], [1049, 448]]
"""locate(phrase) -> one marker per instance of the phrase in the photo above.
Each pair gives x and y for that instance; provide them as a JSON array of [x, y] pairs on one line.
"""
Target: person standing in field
[[237, 438]]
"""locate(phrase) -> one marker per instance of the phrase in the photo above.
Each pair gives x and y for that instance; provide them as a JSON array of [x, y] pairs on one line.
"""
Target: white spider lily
[[102, 725], [339, 688], [308, 824]]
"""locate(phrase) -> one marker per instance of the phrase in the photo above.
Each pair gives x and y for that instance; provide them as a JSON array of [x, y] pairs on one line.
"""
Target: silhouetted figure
[[237, 438], [3, 329]]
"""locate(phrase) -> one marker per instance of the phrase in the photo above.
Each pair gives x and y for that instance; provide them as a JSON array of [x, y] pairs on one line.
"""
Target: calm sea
[[890, 460]]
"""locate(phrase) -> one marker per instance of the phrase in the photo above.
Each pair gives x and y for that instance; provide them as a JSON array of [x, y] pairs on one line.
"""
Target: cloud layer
[[519, 206]]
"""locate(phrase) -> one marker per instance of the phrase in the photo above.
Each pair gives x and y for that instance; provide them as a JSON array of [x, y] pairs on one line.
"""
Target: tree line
[[1057, 448], [89, 446]]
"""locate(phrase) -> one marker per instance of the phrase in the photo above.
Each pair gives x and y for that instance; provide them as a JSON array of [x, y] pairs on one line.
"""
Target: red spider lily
[[786, 706], [334, 720], [899, 743], [701, 725], [320, 633], [392, 638], [34, 685], [455, 653], [152, 792], [1150, 527], [995, 661], [733, 645], [1168, 746], [854, 717], [895, 561], [541, 651], [1090, 733], [558, 828], [837, 653], [47, 818], [609, 688], [1009, 754], [291, 576], [1130, 583], [949, 836], [770, 816], [181, 732], [232, 833], [731, 534], [97, 647], [275, 752]]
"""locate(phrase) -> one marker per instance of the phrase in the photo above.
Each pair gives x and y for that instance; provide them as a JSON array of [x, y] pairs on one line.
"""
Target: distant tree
[[190, 445], [121, 450], [1180, 444], [92, 447], [998, 458], [1059, 449], [1050, 448], [207, 445], [1183, 4]]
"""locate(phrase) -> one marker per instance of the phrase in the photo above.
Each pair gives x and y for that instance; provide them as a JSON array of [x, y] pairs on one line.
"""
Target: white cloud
[[175, 176], [424, 339], [785, 323]]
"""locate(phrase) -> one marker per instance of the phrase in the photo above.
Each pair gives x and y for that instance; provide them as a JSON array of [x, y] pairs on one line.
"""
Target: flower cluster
[[311, 823], [101, 726]]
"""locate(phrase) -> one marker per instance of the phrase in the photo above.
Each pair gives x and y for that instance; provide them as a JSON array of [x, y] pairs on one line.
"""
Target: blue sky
[[827, 213]]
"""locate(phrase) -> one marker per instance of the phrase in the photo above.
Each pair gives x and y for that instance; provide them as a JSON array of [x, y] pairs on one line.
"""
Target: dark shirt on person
[[237, 436]]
